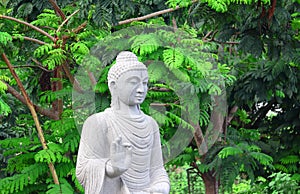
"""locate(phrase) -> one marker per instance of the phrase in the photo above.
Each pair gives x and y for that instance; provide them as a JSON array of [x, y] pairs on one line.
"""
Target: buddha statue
[[120, 148]]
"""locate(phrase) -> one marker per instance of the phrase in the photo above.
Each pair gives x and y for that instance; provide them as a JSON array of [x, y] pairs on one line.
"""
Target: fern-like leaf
[[229, 151], [75, 180], [71, 141], [63, 188], [18, 182], [145, 44], [79, 51], [156, 71], [53, 154], [5, 38], [290, 159], [42, 50], [173, 58], [4, 107], [56, 57], [47, 18], [262, 158]]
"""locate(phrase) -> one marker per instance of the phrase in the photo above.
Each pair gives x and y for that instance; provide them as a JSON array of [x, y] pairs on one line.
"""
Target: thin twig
[[207, 35], [66, 20]]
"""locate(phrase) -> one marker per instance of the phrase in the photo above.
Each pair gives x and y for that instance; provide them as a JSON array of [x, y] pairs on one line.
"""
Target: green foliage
[[275, 183], [219, 5], [4, 107], [29, 164], [5, 38], [28, 176], [51, 57], [25, 9], [79, 51], [240, 156], [53, 154], [63, 188], [178, 179], [145, 44], [281, 183], [47, 18], [181, 178], [288, 164], [43, 50], [56, 58]]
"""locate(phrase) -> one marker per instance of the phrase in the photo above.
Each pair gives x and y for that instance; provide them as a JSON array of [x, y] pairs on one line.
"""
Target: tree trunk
[[210, 183]]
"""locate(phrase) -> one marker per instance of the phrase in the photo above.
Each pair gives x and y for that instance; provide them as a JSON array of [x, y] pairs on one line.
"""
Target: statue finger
[[119, 144], [119, 139], [127, 145], [113, 147], [128, 150]]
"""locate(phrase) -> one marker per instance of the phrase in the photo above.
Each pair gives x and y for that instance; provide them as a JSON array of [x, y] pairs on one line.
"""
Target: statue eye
[[133, 82]]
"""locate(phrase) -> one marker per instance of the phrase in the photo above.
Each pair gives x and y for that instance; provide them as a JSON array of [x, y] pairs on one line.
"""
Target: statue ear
[[112, 84]]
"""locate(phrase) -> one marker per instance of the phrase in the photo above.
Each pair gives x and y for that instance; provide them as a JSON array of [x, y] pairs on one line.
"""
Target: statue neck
[[128, 109]]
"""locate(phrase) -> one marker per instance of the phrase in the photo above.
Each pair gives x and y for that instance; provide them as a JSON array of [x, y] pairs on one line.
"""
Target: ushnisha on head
[[127, 80]]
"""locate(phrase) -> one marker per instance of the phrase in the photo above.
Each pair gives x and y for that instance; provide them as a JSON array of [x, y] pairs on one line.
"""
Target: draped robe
[[146, 168]]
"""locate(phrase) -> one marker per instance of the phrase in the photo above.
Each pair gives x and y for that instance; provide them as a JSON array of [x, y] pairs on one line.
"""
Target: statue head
[[127, 80]]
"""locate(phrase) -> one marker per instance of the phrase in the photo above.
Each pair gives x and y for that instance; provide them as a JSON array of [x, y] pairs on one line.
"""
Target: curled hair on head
[[125, 61]]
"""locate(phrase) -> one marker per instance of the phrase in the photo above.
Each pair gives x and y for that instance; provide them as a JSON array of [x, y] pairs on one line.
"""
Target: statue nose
[[140, 88]]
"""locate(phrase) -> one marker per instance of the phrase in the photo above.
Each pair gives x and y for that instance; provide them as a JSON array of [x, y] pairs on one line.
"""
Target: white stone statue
[[120, 148]]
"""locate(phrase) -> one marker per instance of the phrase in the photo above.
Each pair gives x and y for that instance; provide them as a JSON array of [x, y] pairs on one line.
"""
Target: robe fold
[[146, 169]]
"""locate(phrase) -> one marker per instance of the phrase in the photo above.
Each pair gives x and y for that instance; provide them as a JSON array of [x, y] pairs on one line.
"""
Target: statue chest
[[141, 140]]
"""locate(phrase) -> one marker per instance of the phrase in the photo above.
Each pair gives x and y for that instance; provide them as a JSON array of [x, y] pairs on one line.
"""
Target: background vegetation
[[254, 64]]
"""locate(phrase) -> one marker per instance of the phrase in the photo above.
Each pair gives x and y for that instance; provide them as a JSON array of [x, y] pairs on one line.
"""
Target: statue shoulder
[[97, 120], [153, 123], [96, 117]]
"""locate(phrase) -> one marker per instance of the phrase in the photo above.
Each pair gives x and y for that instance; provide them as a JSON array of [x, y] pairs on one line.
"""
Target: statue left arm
[[159, 178]]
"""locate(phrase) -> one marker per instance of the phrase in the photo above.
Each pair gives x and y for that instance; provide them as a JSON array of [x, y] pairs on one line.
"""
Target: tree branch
[[217, 118], [92, 78], [46, 112], [30, 39], [57, 9], [231, 114], [29, 25], [151, 15], [32, 66], [83, 25], [71, 77], [199, 138], [33, 113]]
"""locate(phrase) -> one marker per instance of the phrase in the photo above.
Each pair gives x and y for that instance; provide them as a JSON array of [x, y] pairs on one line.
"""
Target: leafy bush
[[276, 183]]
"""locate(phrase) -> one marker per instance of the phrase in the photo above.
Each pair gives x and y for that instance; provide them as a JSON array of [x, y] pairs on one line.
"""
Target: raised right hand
[[120, 158]]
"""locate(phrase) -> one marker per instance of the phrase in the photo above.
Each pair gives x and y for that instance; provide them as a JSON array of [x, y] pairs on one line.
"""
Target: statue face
[[131, 87]]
